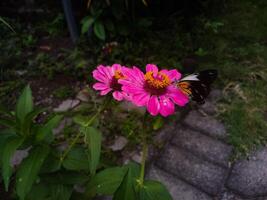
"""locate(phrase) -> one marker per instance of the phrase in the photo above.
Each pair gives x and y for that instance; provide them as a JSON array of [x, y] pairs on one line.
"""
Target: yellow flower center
[[160, 81], [118, 75]]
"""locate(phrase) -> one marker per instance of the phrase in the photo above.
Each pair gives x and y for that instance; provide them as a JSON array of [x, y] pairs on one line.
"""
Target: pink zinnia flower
[[108, 80], [155, 89]]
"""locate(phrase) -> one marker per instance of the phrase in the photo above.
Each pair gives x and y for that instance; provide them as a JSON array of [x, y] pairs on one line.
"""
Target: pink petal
[[103, 70], [127, 96], [152, 67], [138, 73], [166, 106], [132, 89], [116, 67], [107, 71], [104, 92], [100, 86], [134, 76], [110, 71], [172, 74], [117, 95], [100, 77], [140, 99], [177, 96], [153, 105]]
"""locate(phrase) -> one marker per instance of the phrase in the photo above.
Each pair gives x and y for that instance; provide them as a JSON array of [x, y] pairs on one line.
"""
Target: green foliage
[[28, 40], [44, 133], [76, 159], [61, 192], [7, 24], [20, 134], [39, 190], [24, 104], [93, 139], [154, 190], [4, 135], [65, 177], [158, 123], [127, 188], [113, 19], [124, 183], [106, 182], [63, 92], [99, 30], [9, 148], [29, 169], [87, 22]]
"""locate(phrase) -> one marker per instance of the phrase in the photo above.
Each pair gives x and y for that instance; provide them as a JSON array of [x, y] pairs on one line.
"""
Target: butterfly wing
[[197, 85]]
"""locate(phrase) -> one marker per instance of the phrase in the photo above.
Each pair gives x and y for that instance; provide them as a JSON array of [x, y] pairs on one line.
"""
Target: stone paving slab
[[228, 195], [249, 177], [206, 124], [215, 95], [202, 145], [208, 107], [178, 188], [202, 174]]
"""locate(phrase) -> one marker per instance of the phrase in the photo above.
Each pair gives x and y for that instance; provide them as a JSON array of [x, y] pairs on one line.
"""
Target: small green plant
[[214, 26], [63, 92], [113, 18], [201, 52], [23, 132], [50, 173], [7, 24], [28, 40]]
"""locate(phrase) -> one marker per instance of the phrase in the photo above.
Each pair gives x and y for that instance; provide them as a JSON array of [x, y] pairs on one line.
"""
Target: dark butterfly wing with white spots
[[197, 85]]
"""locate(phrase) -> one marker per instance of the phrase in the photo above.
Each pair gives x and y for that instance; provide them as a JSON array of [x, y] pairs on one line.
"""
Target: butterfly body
[[197, 85]]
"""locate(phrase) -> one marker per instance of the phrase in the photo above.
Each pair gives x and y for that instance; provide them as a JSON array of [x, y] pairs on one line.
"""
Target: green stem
[[144, 152], [80, 132], [70, 147], [143, 163]]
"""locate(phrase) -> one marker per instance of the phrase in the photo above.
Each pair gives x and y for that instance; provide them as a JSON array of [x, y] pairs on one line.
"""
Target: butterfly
[[197, 85]]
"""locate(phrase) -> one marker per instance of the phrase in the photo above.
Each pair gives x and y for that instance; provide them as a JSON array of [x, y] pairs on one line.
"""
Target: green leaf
[[4, 135], [40, 190], [93, 139], [87, 23], [29, 120], [8, 123], [50, 192], [4, 111], [81, 120], [29, 169], [154, 190], [61, 192], [76, 159], [9, 149], [99, 30], [52, 162], [135, 170], [65, 177], [85, 120], [158, 123], [7, 24], [24, 104], [127, 188], [45, 132], [106, 182]]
